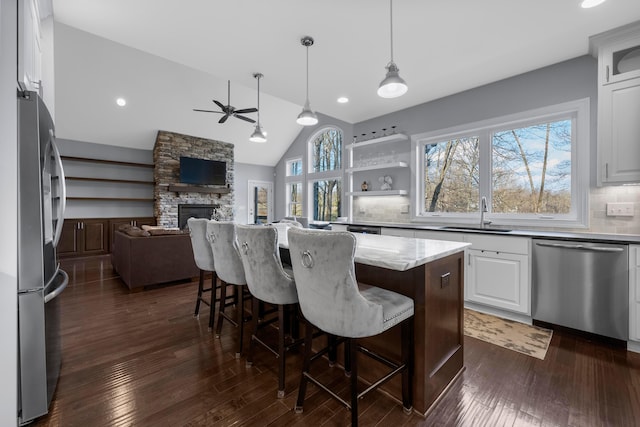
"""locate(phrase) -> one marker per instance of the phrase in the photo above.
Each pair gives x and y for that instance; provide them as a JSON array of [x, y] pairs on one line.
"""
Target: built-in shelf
[[122, 181], [119, 199], [378, 193], [178, 188], [378, 166], [396, 137], [110, 162]]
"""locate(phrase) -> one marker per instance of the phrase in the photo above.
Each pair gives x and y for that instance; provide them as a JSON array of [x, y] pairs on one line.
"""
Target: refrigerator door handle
[[65, 281], [62, 206]]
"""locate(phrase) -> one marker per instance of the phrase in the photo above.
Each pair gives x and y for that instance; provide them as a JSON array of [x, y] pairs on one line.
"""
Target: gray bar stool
[[203, 256], [268, 282], [334, 302], [222, 236]]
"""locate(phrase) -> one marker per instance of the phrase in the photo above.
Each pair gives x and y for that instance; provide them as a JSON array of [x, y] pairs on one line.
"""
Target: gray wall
[[100, 209], [555, 84], [298, 148], [244, 173]]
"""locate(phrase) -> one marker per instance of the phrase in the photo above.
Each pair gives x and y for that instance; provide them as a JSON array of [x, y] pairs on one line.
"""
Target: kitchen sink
[[470, 228]]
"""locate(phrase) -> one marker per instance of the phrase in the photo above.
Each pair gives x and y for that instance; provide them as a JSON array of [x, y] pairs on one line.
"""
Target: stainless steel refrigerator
[[41, 204]]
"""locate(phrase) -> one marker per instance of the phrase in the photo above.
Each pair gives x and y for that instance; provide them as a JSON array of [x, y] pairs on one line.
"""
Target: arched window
[[325, 174]]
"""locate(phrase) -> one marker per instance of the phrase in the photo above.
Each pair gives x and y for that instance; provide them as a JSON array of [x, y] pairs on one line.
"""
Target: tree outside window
[[327, 200], [325, 174], [327, 151], [294, 199]]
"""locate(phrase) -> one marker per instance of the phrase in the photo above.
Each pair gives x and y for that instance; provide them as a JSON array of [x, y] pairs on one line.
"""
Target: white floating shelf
[[379, 166], [396, 137], [378, 193]]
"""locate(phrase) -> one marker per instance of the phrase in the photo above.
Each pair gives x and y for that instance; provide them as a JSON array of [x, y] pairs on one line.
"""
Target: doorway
[[260, 202]]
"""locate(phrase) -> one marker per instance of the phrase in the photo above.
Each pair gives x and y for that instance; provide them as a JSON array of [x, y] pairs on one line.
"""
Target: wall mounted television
[[201, 171]]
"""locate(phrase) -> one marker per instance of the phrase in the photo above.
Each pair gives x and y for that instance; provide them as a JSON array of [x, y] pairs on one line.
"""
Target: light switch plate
[[619, 209]]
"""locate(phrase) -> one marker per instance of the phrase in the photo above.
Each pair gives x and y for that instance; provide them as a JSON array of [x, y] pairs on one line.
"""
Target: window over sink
[[532, 167]]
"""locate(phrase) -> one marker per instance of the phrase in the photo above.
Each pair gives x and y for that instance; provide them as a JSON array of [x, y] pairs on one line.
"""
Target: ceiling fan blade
[[246, 110], [208, 111], [223, 119], [219, 104], [247, 119]]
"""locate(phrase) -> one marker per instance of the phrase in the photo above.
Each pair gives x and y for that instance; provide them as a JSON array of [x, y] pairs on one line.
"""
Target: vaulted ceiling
[[441, 47]]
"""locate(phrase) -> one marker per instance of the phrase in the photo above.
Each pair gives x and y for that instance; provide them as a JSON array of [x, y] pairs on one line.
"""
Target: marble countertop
[[394, 253], [542, 234]]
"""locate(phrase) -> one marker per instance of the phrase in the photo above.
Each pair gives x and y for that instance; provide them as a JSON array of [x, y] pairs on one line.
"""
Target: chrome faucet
[[483, 209]]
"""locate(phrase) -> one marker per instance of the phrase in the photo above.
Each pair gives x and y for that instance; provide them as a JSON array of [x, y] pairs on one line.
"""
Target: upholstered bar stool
[[222, 237], [269, 282], [203, 256], [333, 301]]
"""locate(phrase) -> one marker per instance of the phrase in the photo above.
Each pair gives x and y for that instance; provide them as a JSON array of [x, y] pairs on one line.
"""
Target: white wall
[[243, 173], [8, 214]]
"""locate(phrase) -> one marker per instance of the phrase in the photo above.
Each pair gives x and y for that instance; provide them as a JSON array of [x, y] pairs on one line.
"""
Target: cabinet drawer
[[514, 245]]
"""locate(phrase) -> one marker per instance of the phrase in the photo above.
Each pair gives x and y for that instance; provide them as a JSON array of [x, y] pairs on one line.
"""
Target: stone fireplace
[[186, 211], [169, 193]]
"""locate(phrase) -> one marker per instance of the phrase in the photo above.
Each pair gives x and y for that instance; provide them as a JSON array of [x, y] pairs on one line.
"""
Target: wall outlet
[[404, 209], [619, 209]]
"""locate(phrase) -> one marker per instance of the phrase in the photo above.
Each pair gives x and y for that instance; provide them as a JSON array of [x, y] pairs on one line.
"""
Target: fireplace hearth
[[186, 211]]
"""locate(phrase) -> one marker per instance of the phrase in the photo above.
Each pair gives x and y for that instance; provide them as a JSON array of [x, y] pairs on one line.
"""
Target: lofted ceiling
[[441, 47]]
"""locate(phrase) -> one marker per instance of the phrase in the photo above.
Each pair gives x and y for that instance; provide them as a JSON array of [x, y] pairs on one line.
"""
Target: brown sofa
[[149, 260]]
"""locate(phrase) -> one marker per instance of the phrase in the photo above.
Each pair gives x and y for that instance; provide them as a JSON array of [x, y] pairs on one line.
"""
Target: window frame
[[578, 217], [313, 177], [294, 179]]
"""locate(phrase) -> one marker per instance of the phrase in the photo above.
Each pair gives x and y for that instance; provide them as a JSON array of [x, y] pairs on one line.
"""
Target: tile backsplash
[[395, 209]]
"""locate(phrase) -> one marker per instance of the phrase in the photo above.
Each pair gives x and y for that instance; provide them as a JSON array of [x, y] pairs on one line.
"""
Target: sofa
[[143, 259]]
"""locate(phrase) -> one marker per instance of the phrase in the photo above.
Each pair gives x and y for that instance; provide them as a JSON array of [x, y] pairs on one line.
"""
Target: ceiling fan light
[[307, 117], [258, 135], [393, 85]]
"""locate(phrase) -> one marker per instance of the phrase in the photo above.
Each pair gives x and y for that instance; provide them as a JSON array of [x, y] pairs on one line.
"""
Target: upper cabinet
[[618, 53], [29, 45]]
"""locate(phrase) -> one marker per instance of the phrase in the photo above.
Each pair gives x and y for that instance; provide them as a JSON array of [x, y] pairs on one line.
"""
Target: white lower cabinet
[[498, 279], [498, 272], [634, 292], [399, 232]]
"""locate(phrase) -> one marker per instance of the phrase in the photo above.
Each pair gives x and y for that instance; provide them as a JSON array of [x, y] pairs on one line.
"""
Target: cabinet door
[[634, 292], [68, 244], [619, 131], [498, 279], [95, 236]]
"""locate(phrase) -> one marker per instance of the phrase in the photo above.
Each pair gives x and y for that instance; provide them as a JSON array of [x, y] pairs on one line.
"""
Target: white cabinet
[[399, 232], [634, 292], [498, 272], [338, 227], [618, 53]]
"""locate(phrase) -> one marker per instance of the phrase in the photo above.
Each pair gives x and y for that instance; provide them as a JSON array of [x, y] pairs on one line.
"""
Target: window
[[325, 174], [531, 167], [294, 199], [294, 167]]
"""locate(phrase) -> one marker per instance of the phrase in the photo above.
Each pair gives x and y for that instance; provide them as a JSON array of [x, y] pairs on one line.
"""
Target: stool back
[[324, 271], [202, 253], [266, 278], [222, 237]]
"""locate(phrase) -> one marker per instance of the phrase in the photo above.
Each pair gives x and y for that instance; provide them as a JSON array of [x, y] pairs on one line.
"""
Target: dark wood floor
[[142, 359]]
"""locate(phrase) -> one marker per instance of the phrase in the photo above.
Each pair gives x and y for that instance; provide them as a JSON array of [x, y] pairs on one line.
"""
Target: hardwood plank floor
[[142, 359]]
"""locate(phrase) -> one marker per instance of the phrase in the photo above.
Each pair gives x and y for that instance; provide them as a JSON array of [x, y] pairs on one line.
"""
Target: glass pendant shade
[[393, 85], [258, 135], [307, 117]]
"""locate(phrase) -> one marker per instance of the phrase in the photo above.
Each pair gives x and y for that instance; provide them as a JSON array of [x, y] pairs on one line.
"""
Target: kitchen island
[[431, 272]]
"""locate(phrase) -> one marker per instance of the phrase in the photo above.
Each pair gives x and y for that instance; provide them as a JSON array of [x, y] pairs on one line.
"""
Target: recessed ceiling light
[[121, 102], [343, 100], [586, 4]]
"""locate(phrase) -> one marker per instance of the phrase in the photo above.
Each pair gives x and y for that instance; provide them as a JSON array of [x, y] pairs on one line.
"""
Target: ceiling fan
[[229, 110]]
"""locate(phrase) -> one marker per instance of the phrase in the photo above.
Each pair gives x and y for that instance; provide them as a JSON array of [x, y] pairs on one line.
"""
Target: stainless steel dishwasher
[[582, 285]]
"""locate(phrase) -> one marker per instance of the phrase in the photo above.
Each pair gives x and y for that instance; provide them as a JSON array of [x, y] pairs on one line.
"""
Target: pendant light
[[258, 135], [307, 117], [393, 85]]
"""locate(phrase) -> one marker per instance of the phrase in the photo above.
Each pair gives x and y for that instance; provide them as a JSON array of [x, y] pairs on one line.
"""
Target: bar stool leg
[[212, 304], [407, 360], [353, 349], [200, 290], [302, 388], [333, 350], [240, 314], [223, 298], [281, 350], [255, 307]]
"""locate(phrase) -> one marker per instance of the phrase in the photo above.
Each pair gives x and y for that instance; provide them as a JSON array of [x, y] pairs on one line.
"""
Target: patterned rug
[[530, 340]]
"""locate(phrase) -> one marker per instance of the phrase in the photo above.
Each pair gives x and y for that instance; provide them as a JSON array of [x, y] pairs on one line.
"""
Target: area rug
[[530, 340]]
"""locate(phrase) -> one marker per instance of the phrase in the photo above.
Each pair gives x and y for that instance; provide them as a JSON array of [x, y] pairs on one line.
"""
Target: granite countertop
[[394, 253], [540, 234]]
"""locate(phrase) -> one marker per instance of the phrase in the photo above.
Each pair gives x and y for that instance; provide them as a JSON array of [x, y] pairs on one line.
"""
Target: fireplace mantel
[[181, 188]]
